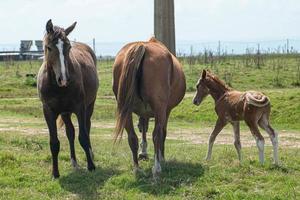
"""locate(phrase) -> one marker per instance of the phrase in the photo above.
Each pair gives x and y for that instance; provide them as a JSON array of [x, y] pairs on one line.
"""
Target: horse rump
[[127, 86]]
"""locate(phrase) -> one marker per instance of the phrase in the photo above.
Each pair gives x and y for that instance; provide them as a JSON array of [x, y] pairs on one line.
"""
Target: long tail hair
[[127, 86]]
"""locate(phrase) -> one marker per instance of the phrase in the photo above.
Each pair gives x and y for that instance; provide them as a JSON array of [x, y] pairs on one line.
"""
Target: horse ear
[[203, 74], [70, 28], [49, 26]]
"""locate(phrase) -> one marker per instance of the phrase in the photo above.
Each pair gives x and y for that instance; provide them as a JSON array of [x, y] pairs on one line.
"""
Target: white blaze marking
[[60, 48]]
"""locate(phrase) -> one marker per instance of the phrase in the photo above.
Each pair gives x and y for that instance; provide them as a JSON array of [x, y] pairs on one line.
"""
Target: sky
[[130, 20]]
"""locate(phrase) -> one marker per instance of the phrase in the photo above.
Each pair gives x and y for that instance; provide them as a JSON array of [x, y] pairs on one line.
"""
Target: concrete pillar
[[164, 23]]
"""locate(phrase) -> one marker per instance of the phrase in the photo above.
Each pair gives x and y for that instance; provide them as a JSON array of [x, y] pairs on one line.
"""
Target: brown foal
[[233, 106]]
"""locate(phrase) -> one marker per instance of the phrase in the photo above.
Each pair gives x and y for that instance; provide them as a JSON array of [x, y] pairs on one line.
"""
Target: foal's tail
[[127, 86], [257, 99]]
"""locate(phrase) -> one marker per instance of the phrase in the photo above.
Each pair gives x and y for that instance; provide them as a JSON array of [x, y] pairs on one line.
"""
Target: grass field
[[25, 160]]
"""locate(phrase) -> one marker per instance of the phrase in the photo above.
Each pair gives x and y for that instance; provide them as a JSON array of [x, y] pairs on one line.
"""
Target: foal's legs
[[218, 127], [84, 137], [260, 141], [132, 141], [51, 117], [237, 140], [70, 132], [264, 124], [143, 128]]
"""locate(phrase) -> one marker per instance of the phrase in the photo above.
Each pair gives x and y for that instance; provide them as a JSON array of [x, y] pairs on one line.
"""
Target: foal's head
[[209, 84], [56, 51], [202, 90]]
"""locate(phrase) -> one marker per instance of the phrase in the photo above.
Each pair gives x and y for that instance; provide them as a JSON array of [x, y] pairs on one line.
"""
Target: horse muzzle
[[196, 102], [62, 83]]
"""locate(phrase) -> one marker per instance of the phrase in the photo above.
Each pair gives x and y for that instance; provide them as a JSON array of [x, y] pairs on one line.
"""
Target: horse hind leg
[[70, 132], [260, 141], [89, 113], [237, 139], [164, 137], [157, 136], [133, 142], [143, 128], [264, 124]]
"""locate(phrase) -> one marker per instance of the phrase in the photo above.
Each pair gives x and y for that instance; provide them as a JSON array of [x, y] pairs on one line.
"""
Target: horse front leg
[[220, 124], [84, 137], [50, 118]]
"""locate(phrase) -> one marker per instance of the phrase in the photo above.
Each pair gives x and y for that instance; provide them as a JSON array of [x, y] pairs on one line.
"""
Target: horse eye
[[49, 49]]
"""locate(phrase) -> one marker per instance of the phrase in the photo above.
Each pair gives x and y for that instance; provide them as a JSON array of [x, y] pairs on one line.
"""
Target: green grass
[[25, 160], [25, 172]]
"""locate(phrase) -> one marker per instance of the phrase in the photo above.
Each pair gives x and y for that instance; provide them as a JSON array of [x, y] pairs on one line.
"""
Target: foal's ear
[[70, 28], [203, 74], [49, 26]]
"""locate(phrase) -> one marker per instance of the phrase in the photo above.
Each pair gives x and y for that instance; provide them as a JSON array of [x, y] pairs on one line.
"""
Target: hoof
[[91, 153], [156, 173], [55, 175], [207, 159], [143, 157], [75, 165], [91, 168], [138, 171]]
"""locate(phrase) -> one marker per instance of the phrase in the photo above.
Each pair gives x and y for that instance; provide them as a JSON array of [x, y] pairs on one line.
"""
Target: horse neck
[[217, 90]]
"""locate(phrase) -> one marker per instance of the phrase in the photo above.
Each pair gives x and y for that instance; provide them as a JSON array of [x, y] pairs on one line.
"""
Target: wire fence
[[187, 48]]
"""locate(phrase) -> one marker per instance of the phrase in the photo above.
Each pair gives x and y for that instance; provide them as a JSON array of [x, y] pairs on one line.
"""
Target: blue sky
[[130, 20]]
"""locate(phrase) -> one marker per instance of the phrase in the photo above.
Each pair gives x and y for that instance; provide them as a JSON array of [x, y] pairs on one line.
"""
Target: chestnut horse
[[148, 81], [233, 106], [67, 83]]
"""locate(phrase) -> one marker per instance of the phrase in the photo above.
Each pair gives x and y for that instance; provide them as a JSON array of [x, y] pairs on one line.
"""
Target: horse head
[[56, 51], [202, 90]]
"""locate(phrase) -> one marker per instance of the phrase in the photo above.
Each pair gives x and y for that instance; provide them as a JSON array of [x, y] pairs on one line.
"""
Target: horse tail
[[59, 122], [257, 99], [127, 86]]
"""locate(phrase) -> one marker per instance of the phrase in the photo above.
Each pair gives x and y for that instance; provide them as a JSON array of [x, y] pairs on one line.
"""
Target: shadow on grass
[[86, 184], [175, 174]]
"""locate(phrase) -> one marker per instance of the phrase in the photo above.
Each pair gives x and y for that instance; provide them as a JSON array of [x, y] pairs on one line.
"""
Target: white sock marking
[[260, 145], [144, 148], [156, 168], [60, 47]]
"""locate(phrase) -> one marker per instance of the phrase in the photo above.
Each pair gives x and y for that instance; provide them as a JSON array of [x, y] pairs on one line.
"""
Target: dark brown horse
[[233, 106], [67, 83], [148, 81]]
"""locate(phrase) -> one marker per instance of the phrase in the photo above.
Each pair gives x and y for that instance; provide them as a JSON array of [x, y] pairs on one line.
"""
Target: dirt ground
[[290, 139]]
